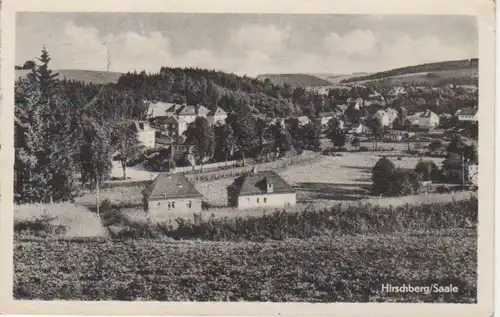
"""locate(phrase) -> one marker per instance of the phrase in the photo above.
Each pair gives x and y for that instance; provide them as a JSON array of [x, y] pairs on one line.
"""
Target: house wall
[[467, 117], [429, 122], [147, 138], [187, 119], [383, 118], [217, 118], [155, 207], [287, 200]]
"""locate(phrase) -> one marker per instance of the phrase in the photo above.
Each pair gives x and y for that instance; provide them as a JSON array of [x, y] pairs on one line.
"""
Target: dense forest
[[472, 63], [295, 80], [233, 93], [67, 132]]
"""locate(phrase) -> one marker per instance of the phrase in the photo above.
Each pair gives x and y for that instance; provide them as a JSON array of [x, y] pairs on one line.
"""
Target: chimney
[[269, 187]]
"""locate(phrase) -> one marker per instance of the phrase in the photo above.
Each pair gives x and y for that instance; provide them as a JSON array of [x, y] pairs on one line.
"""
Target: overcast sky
[[244, 43]]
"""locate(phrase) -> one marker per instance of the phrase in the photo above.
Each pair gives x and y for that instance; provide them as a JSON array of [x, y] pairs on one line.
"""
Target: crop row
[[321, 269], [363, 219]]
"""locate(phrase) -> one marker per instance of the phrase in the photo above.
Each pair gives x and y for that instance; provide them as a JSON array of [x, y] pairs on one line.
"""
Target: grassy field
[[325, 181], [332, 178], [57, 220]]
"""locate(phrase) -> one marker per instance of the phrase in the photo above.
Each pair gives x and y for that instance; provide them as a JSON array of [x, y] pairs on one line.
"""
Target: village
[[196, 167], [257, 185]]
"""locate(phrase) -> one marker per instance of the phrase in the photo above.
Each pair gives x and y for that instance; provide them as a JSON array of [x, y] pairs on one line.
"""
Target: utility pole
[[97, 192], [463, 172]]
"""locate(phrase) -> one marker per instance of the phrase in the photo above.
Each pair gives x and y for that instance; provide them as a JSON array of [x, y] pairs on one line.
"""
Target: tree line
[[61, 142]]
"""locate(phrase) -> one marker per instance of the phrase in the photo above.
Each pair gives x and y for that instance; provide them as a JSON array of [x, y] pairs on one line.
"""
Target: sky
[[248, 44]]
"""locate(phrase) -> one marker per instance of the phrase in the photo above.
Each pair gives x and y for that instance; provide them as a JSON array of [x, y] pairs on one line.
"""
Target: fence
[[219, 170], [205, 167], [235, 172]]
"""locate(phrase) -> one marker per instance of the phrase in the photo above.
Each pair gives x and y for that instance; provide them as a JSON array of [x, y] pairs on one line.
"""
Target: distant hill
[[86, 76], [426, 73], [295, 80]]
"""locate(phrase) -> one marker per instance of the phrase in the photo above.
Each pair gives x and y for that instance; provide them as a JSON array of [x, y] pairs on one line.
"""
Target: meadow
[[325, 181]]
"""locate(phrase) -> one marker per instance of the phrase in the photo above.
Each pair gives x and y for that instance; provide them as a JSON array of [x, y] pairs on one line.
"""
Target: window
[[189, 204], [265, 200], [173, 204], [257, 200], [158, 203], [168, 205]]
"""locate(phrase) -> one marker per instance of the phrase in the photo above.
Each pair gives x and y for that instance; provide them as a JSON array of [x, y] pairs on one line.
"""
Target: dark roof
[[426, 114], [467, 112], [139, 126], [218, 112], [171, 119], [167, 186], [255, 183], [187, 110]]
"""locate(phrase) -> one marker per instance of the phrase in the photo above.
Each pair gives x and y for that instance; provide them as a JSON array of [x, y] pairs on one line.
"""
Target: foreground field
[[324, 269], [340, 254]]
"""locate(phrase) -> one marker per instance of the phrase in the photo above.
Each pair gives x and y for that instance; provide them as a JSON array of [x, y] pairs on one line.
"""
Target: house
[[382, 117], [174, 127], [351, 101], [473, 174], [426, 119], [325, 117], [217, 116], [398, 90], [188, 114], [467, 114], [392, 115], [145, 134], [178, 151], [468, 88], [397, 135], [260, 189], [359, 129], [274, 121], [342, 108], [169, 193], [303, 120], [445, 116], [161, 109]]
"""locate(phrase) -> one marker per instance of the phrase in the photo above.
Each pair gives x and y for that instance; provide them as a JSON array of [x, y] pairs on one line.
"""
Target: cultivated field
[[323, 269], [316, 256]]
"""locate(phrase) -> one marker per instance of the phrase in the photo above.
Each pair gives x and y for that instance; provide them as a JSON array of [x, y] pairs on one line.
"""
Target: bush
[[427, 171], [280, 225], [363, 149], [404, 183], [38, 227], [442, 189], [382, 174]]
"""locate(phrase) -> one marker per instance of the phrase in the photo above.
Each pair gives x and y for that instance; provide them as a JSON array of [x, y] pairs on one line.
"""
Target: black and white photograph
[[246, 157]]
